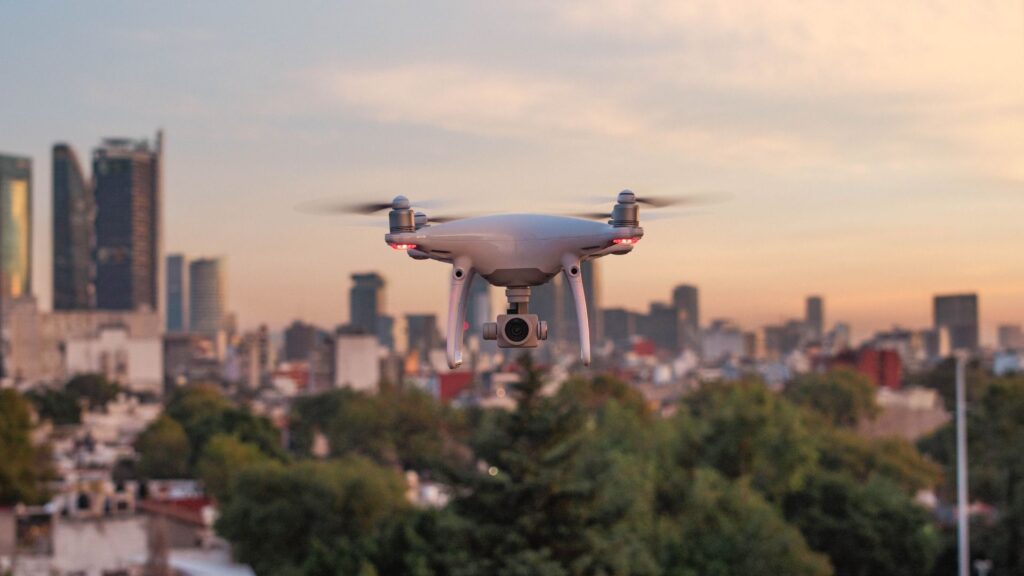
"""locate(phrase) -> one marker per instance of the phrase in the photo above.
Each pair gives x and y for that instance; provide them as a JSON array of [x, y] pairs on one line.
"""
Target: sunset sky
[[873, 150]]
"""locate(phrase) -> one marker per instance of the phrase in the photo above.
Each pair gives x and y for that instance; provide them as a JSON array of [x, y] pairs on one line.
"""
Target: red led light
[[403, 246], [627, 241]]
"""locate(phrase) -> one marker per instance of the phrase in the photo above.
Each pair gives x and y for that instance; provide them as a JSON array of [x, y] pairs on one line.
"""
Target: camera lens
[[517, 330]]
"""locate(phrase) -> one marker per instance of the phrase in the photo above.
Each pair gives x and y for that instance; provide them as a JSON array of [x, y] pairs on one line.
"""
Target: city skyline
[[869, 179]]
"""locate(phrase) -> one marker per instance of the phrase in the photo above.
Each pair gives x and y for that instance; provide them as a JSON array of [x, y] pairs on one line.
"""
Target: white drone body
[[515, 251]]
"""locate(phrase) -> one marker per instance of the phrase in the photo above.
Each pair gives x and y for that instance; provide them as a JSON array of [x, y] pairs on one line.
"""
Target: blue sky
[[872, 150]]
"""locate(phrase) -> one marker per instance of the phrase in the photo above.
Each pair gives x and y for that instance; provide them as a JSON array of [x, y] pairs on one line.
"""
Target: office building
[[686, 300], [478, 307], [206, 295], [127, 184], [1011, 337], [357, 361], [957, 315], [366, 308], [134, 361], [422, 334], [661, 326], [814, 317], [619, 326], [177, 293], [547, 303], [725, 340], [300, 340], [15, 227], [74, 233]]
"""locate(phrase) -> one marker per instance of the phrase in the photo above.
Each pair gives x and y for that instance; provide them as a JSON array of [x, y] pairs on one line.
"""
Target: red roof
[[184, 509], [453, 383]]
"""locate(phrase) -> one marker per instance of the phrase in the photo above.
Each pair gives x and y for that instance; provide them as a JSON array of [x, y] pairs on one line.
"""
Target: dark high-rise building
[[478, 307], [661, 326], [686, 300], [814, 317], [300, 340], [958, 315], [15, 227], [74, 233], [206, 295], [547, 303], [421, 330], [127, 182], [366, 308], [177, 293], [619, 326]]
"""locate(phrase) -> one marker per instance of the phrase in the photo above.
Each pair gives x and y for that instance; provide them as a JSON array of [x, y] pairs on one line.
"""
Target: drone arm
[[462, 277], [574, 277]]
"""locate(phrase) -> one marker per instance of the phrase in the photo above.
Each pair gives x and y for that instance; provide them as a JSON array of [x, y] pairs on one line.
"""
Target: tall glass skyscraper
[[74, 233], [177, 274], [206, 295], [128, 214], [15, 227]]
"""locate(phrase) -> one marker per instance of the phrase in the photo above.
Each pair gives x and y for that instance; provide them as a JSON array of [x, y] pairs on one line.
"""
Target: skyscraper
[[686, 301], [814, 317], [126, 175], [206, 295], [478, 307], [366, 308], [74, 233], [958, 315], [422, 333], [547, 303], [15, 227], [177, 293]]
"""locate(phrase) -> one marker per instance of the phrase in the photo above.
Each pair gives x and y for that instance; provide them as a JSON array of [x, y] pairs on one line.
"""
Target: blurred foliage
[[202, 413], [63, 406], [310, 517], [163, 450], [995, 444], [24, 467], [94, 389], [400, 426], [223, 458], [844, 397], [741, 480]]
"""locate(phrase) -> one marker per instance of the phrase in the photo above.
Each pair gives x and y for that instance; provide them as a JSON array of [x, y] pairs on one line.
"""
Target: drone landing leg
[[462, 277], [574, 277]]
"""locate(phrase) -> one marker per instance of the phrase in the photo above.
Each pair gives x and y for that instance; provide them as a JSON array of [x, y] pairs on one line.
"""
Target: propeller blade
[[591, 215], [684, 200], [445, 219], [341, 207]]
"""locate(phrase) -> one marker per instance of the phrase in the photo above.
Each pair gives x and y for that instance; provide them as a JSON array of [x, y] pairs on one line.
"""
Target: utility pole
[[963, 520]]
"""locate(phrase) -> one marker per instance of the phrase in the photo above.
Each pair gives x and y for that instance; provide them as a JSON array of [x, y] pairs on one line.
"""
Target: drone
[[517, 252]]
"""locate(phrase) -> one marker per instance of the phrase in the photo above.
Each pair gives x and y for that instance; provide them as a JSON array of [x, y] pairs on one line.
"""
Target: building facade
[[177, 293], [814, 317], [686, 300], [74, 233], [206, 295], [957, 315], [15, 227], [127, 181]]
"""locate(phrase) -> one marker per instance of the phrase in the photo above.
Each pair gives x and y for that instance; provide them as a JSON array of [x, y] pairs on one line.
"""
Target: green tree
[[58, 406], [223, 458], [94, 389], [163, 449], [844, 451], [544, 502], [281, 518], [871, 528], [23, 467], [203, 412], [844, 397], [995, 436], [719, 528], [747, 431]]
